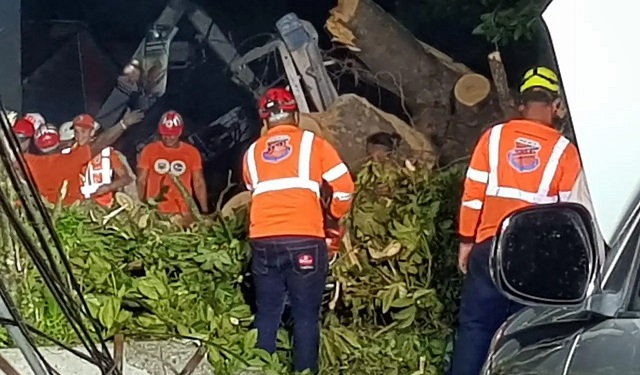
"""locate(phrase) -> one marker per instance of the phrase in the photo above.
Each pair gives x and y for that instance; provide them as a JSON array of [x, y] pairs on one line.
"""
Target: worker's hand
[[464, 250], [133, 117], [103, 189], [333, 238]]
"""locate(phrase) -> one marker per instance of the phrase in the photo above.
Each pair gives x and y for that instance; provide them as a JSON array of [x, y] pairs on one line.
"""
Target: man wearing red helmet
[[105, 173], [284, 170], [24, 130], [170, 156], [50, 168], [25, 127]]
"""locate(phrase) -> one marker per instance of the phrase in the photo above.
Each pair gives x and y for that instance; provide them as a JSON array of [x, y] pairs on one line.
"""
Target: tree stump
[[419, 74]]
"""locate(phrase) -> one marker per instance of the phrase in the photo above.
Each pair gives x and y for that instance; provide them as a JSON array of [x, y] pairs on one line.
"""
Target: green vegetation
[[390, 311]]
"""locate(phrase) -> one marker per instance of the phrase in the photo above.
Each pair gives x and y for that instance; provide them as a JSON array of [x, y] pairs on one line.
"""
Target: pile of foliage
[[389, 306]]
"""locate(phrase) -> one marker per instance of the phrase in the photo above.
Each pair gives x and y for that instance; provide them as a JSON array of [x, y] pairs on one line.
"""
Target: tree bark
[[421, 75], [348, 122], [499, 75]]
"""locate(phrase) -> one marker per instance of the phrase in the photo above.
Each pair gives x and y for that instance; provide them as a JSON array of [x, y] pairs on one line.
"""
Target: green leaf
[[109, 311], [402, 302], [250, 340], [407, 313]]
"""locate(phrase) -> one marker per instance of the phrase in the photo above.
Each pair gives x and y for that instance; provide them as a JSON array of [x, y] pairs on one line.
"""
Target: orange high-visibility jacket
[[514, 165], [284, 170]]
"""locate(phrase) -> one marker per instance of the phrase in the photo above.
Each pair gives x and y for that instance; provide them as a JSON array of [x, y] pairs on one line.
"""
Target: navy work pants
[[482, 310], [295, 267]]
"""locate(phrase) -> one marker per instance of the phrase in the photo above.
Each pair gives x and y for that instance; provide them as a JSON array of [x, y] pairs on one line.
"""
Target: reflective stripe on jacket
[[98, 172], [515, 165], [284, 170]]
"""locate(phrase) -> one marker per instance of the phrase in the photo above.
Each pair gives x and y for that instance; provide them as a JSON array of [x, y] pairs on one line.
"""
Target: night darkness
[[204, 91]]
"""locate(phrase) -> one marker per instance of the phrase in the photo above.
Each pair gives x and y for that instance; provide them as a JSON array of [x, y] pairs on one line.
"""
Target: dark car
[[584, 319]]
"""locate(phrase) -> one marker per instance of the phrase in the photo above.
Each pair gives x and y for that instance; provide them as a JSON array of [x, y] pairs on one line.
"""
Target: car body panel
[[581, 346]]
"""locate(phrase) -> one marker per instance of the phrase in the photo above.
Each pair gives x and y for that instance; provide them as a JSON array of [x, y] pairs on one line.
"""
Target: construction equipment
[[296, 45]]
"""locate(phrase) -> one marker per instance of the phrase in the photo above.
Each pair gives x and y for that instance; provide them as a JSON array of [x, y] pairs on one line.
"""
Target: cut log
[[421, 75], [507, 104], [348, 122], [472, 89]]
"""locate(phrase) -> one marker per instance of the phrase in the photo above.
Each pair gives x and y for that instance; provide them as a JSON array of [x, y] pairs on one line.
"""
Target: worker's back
[[285, 170], [527, 163]]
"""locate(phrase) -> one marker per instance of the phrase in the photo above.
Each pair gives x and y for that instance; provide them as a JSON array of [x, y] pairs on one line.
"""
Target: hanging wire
[[38, 217]]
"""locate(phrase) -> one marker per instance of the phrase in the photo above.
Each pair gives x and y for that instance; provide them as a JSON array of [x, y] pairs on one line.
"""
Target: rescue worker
[[50, 168], [68, 139], [24, 131], [25, 127], [519, 163], [104, 174], [284, 169], [170, 156]]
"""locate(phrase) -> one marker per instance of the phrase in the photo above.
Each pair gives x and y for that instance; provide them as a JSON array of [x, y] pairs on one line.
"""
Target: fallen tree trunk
[[348, 122], [421, 75]]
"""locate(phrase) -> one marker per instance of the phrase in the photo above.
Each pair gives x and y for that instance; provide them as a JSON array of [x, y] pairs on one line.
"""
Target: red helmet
[[171, 124], [47, 138], [23, 128], [276, 100]]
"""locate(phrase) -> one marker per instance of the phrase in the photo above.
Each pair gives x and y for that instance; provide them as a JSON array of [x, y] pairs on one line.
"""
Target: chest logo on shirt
[[277, 149], [161, 166], [176, 167], [524, 156]]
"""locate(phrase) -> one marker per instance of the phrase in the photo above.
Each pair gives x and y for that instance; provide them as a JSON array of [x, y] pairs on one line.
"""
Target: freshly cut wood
[[423, 77], [237, 202], [507, 104], [472, 89]]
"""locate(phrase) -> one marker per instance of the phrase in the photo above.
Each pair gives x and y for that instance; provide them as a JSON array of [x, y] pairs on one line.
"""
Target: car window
[[619, 260]]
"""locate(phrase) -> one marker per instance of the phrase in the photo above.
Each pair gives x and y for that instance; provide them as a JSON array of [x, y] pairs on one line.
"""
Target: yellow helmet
[[540, 77]]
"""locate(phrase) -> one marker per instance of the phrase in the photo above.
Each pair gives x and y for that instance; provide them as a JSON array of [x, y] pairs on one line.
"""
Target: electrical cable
[[27, 193]]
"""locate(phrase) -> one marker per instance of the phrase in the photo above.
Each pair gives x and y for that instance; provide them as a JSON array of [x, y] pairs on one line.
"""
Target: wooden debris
[[507, 104]]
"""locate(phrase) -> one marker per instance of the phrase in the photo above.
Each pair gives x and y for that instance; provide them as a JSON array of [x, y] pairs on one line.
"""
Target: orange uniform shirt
[[284, 170], [50, 171], [161, 161], [96, 165], [515, 165]]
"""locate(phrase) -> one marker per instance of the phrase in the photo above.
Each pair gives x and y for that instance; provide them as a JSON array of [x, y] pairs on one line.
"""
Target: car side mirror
[[545, 255]]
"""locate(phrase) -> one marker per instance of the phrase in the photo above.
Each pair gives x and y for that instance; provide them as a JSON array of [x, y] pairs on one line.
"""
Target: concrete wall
[[140, 358]]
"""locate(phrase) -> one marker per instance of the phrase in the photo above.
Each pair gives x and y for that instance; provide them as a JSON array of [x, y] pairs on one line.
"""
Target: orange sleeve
[[337, 175], [116, 163], [196, 160], [245, 171], [475, 186], [144, 162], [77, 158], [568, 170]]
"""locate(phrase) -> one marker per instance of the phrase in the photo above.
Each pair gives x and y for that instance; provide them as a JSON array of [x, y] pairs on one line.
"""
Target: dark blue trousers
[[482, 310], [295, 267]]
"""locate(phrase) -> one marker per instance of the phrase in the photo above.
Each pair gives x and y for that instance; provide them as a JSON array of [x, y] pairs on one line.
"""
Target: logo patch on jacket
[[306, 262], [277, 149], [524, 156]]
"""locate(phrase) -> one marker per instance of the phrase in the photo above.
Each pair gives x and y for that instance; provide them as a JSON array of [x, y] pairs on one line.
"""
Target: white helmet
[[66, 131]]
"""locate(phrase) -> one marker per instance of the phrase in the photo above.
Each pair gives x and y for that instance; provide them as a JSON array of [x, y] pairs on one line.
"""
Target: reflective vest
[[97, 173], [284, 170], [302, 180], [515, 165]]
